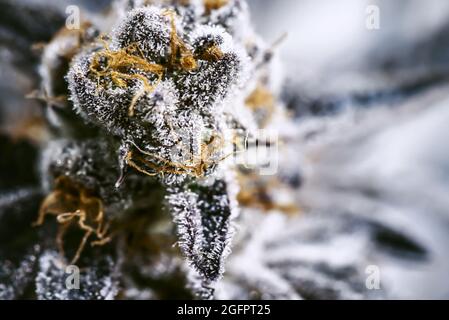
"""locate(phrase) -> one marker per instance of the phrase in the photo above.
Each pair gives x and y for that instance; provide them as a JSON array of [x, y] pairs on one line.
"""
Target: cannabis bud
[[141, 141], [154, 86], [147, 108], [162, 102]]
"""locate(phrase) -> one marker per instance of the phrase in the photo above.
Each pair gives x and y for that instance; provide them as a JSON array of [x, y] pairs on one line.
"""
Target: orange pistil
[[70, 203]]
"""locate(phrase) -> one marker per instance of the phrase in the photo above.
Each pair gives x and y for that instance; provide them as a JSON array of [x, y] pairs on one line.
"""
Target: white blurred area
[[387, 164], [328, 40], [318, 31]]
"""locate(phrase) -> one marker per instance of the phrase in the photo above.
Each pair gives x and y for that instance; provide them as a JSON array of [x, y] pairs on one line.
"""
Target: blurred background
[[371, 128], [377, 104]]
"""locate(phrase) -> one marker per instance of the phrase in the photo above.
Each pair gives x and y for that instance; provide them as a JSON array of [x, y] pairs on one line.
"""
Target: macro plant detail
[[155, 103], [164, 149]]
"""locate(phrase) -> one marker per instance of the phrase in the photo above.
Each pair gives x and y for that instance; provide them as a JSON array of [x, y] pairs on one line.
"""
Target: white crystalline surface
[[362, 181]]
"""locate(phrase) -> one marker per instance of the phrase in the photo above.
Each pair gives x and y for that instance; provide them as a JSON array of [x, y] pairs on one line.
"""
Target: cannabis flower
[[158, 106]]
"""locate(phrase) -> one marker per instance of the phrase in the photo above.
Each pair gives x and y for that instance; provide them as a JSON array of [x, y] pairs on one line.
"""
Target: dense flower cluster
[[161, 100]]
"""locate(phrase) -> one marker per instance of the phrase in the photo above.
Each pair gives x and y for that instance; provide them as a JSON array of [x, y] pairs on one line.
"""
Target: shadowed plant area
[[223, 149]]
